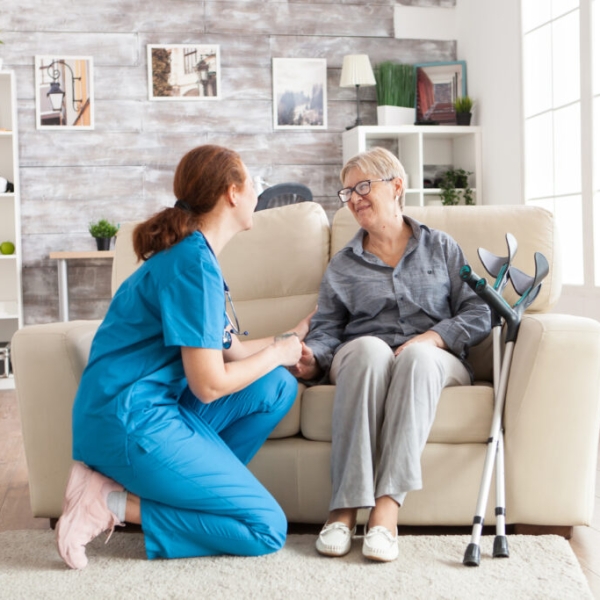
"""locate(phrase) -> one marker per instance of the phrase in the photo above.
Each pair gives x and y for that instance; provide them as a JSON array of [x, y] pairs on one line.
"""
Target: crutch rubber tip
[[472, 555], [500, 547]]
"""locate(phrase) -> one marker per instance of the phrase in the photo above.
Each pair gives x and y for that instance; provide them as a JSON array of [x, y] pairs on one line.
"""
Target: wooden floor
[[15, 512]]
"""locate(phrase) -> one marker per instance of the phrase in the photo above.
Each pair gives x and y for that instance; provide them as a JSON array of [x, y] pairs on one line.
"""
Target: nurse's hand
[[290, 348]]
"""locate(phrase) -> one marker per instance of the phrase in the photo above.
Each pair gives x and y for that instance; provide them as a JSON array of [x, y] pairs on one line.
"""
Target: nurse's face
[[247, 200]]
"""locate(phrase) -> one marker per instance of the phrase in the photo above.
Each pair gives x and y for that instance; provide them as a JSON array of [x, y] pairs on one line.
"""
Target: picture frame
[[188, 72], [64, 92], [438, 85], [299, 93]]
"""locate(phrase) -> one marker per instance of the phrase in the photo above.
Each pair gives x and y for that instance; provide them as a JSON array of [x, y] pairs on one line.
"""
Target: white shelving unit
[[11, 301], [417, 146]]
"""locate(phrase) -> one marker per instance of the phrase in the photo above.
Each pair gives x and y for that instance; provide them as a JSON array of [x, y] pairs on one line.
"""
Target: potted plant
[[453, 185], [462, 107], [395, 87], [104, 232]]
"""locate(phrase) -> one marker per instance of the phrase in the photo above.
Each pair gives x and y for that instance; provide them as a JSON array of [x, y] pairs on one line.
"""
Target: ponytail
[[203, 175]]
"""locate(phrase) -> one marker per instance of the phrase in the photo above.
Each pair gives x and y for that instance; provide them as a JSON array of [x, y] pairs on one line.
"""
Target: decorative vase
[[463, 118], [390, 116], [103, 243]]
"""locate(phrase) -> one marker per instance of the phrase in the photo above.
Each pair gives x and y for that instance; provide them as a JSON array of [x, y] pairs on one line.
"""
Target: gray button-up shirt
[[361, 295]]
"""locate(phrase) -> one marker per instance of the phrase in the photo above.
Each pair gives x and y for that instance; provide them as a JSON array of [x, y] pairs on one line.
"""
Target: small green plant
[[454, 183], [463, 104], [103, 229], [395, 84]]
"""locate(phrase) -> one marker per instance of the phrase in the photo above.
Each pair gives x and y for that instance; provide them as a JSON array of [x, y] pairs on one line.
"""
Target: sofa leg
[[53, 523], [565, 531]]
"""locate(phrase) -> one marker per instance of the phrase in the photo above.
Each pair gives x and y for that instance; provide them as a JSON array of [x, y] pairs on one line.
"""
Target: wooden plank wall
[[123, 169]]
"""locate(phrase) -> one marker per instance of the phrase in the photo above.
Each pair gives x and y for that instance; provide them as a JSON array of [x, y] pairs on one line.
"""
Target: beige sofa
[[274, 270]]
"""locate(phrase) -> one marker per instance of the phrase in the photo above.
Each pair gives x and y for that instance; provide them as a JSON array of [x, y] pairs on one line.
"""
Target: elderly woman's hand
[[303, 326], [429, 337], [307, 367]]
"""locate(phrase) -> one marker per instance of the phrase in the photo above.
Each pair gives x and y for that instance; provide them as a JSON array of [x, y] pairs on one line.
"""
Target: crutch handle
[[473, 280], [469, 277], [498, 304]]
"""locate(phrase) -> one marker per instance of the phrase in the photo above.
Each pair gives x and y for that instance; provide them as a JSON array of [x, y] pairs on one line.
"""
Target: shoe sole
[[331, 553], [379, 558]]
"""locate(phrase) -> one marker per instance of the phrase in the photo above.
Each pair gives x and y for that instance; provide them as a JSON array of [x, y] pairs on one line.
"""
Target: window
[[559, 103], [190, 59]]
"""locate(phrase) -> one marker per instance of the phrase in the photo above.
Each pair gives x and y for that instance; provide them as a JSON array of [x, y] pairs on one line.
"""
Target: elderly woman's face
[[375, 206]]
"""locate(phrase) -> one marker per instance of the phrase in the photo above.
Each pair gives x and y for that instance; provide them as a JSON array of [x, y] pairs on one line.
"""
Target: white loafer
[[380, 544], [335, 539]]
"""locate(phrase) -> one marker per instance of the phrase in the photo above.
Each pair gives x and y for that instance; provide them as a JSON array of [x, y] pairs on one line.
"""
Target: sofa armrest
[[551, 419], [48, 361]]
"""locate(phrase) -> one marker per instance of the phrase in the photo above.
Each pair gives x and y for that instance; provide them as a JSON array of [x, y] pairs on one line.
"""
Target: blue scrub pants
[[197, 496]]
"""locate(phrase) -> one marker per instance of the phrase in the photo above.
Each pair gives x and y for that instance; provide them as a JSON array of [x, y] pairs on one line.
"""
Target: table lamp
[[356, 71]]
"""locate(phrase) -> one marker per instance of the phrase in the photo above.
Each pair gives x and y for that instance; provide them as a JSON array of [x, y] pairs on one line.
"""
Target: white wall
[[488, 39]]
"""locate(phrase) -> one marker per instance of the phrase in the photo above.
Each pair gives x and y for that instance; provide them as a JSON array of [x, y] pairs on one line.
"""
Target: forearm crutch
[[530, 288], [498, 267]]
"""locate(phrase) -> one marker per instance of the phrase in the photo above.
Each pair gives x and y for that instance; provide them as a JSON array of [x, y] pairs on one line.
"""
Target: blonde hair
[[380, 162]]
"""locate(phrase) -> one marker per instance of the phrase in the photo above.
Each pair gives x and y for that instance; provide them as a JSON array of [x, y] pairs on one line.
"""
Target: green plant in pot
[[395, 87], [462, 108], [104, 232], [454, 185]]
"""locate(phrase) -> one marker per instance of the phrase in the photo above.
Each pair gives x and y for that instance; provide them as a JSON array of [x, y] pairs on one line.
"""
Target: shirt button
[[429, 272]]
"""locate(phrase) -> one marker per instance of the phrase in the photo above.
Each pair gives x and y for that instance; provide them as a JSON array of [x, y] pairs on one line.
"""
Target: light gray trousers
[[384, 409]]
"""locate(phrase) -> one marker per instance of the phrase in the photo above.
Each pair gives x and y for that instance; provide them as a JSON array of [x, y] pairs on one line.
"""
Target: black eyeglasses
[[362, 188], [232, 327]]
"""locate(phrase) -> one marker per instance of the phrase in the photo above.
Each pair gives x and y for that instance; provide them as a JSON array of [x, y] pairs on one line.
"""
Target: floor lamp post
[[356, 72]]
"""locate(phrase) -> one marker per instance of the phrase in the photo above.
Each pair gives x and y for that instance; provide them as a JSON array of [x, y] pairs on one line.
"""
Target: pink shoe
[[85, 513]]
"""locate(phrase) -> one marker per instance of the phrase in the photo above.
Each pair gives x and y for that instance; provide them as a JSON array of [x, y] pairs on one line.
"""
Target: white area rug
[[429, 567]]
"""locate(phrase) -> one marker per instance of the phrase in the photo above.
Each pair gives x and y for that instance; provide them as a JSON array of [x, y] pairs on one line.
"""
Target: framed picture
[[439, 84], [299, 93], [184, 72], [64, 92]]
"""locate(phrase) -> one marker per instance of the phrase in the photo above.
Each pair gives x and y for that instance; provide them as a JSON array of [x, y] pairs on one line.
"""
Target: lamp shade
[[356, 70], [56, 95]]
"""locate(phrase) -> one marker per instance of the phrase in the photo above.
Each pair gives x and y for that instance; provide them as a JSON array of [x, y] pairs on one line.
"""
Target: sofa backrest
[[292, 241], [296, 241], [476, 227]]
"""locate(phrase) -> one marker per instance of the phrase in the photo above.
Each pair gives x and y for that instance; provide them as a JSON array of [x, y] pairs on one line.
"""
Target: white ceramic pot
[[389, 116]]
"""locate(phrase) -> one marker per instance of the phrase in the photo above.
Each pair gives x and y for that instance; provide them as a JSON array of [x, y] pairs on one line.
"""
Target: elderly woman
[[393, 327]]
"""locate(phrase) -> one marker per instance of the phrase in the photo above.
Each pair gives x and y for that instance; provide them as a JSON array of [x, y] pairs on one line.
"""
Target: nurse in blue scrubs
[[172, 405]]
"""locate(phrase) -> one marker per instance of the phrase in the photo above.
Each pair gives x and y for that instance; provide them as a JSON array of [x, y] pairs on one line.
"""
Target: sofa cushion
[[464, 414]]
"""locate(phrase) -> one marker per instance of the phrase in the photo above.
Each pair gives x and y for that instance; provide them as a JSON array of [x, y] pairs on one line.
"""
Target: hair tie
[[182, 205]]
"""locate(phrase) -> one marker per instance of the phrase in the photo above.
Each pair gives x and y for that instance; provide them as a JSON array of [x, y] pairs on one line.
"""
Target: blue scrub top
[[135, 375]]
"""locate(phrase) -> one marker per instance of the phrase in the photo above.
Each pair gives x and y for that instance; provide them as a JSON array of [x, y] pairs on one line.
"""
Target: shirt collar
[[356, 243]]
